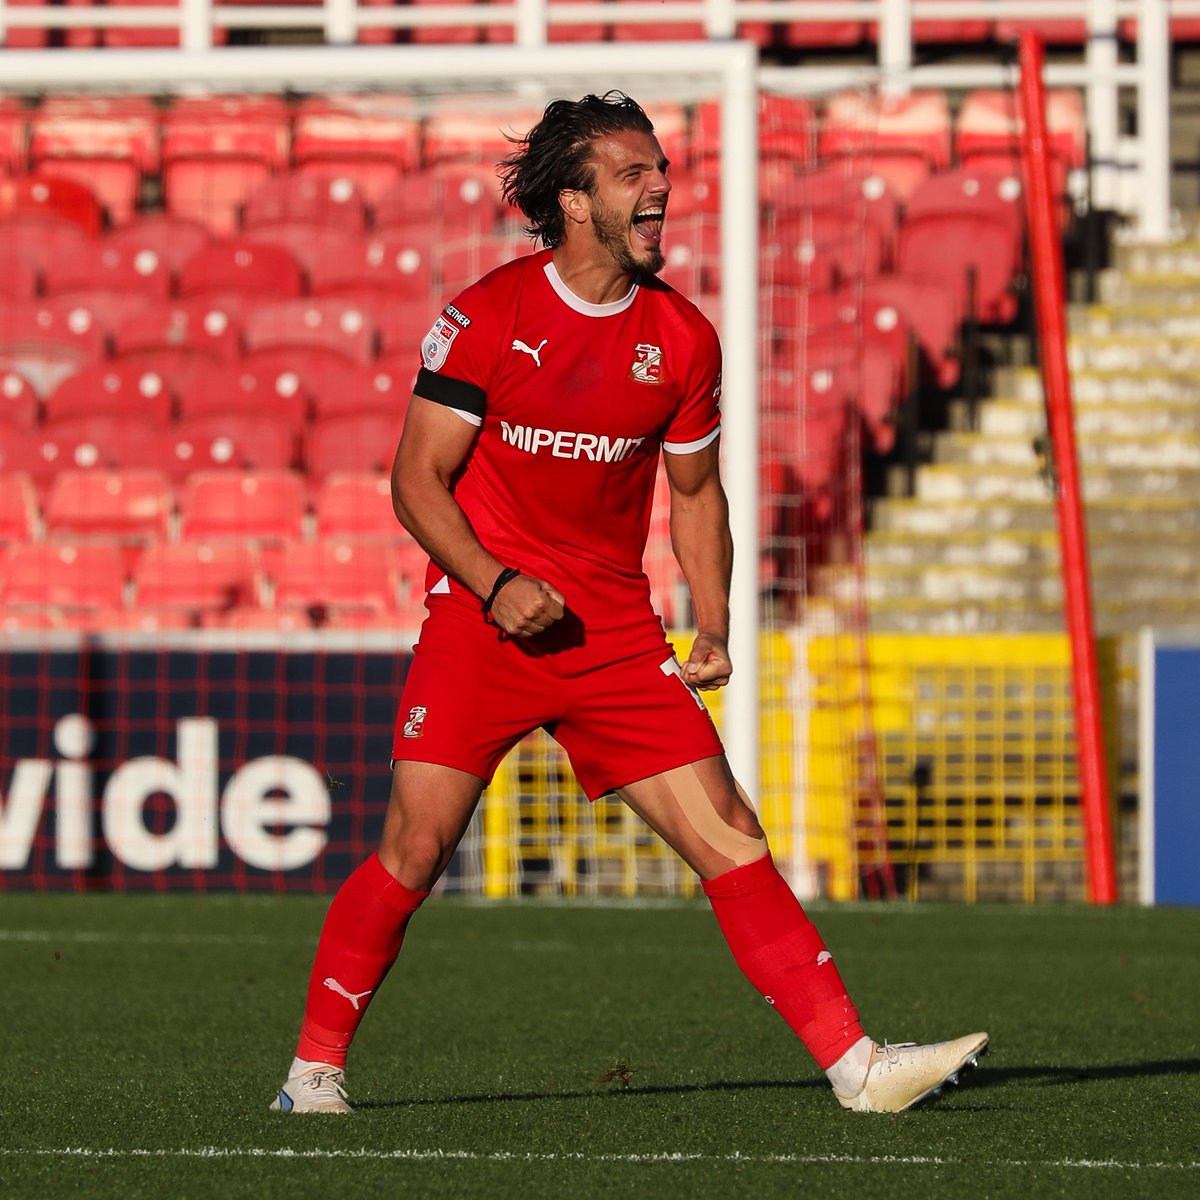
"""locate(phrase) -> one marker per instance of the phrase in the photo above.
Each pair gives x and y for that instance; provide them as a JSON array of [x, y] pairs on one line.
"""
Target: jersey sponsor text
[[565, 443]]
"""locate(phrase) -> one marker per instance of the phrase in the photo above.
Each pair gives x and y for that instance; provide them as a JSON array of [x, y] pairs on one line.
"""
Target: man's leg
[[428, 813], [703, 815]]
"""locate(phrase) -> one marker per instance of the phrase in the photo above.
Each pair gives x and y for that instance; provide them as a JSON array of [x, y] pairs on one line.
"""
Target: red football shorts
[[615, 703]]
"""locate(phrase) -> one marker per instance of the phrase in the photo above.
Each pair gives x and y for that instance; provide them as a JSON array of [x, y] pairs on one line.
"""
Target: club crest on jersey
[[647, 363], [415, 725], [437, 343]]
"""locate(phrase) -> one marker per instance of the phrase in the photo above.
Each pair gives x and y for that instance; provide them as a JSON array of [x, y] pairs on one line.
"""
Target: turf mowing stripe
[[503, 1156]]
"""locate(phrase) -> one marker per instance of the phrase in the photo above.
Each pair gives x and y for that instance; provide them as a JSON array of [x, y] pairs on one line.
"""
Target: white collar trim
[[586, 307]]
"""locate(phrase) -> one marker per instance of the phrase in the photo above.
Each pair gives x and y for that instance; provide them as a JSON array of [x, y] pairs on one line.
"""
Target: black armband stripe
[[453, 393]]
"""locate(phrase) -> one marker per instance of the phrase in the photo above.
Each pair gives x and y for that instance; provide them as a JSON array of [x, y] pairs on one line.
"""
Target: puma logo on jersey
[[355, 998], [535, 354]]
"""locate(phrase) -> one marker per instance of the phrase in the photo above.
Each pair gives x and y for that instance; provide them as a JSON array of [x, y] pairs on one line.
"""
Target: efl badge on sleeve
[[647, 363], [437, 341]]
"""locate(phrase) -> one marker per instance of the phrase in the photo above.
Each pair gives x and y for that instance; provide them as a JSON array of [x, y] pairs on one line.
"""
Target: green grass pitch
[[532, 1050]]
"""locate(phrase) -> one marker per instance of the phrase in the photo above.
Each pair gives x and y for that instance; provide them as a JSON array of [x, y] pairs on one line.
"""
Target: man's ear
[[576, 204]]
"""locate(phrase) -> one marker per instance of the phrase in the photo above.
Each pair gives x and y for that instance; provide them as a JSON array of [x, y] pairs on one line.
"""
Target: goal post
[[797, 734]]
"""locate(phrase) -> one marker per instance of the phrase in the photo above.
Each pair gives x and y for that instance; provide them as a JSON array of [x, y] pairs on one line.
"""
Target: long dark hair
[[556, 154]]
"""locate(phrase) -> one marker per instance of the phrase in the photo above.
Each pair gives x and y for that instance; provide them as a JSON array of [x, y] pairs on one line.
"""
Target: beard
[[612, 232]]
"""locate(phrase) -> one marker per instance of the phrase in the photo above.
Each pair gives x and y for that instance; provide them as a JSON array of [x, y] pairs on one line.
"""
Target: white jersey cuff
[[692, 447]]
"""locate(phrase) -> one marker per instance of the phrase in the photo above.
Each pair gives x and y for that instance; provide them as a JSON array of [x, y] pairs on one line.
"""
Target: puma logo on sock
[[355, 998]]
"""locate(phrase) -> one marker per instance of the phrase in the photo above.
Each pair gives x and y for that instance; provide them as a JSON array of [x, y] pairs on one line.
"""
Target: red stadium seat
[[460, 264], [31, 37], [46, 343], [845, 187], [14, 131], [393, 376], [332, 322], [232, 441], [988, 124], [265, 506], [964, 229], [666, 29], [823, 34], [450, 196], [100, 442], [353, 442], [993, 193], [128, 504], [933, 311], [18, 400], [373, 138], [197, 326], [97, 312], [68, 575], [786, 130], [160, 237], [340, 574], [328, 201], [216, 151], [18, 276], [198, 576], [905, 138], [114, 388], [241, 266], [357, 503], [476, 129], [18, 507], [821, 249], [307, 244], [41, 238], [244, 387], [557, 30], [102, 266], [692, 247], [310, 371], [445, 35], [20, 449], [395, 263], [107, 143], [403, 327], [33, 196]]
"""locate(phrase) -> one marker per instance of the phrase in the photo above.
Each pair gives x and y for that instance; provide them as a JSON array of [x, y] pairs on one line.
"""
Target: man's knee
[[731, 830]]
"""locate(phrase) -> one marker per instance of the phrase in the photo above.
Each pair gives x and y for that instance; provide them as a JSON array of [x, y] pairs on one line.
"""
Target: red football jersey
[[574, 401]]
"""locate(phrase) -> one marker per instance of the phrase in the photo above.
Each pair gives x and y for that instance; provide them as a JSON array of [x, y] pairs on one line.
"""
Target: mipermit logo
[[415, 725]]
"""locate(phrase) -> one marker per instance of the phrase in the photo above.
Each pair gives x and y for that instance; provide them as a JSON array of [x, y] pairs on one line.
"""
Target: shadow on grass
[[677, 1089], [1051, 1076], [987, 1076]]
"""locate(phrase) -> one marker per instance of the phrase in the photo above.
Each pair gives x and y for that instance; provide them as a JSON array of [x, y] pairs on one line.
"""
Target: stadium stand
[[198, 577]]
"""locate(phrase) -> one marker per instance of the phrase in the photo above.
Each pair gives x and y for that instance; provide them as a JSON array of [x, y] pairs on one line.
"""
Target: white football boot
[[322, 1089], [905, 1074]]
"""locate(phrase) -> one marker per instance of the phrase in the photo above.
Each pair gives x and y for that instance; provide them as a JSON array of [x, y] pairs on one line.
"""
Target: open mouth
[[649, 224]]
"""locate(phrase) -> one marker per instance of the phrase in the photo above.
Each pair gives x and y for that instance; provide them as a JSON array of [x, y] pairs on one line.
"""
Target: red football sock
[[780, 951], [360, 939]]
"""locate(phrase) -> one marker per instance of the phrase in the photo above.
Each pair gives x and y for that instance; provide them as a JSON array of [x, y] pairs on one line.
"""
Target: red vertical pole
[[1050, 302]]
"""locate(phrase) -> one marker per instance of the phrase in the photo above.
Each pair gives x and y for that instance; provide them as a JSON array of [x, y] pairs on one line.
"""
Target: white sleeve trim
[[692, 447], [470, 418]]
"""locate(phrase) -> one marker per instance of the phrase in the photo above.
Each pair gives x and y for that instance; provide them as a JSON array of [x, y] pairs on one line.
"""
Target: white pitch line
[[653, 1158]]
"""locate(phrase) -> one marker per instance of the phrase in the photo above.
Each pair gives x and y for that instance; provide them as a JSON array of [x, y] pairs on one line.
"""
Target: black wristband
[[505, 577]]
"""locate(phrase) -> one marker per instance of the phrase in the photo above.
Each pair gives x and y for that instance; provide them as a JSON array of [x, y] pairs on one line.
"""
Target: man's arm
[[433, 447], [703, 546]]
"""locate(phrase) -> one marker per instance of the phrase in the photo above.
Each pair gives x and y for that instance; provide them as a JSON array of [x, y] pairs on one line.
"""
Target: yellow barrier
[[975, 743]]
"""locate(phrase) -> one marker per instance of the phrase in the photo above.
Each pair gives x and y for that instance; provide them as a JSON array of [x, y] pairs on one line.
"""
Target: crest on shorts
[[415, 725], [437, 343], [647, 363]]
